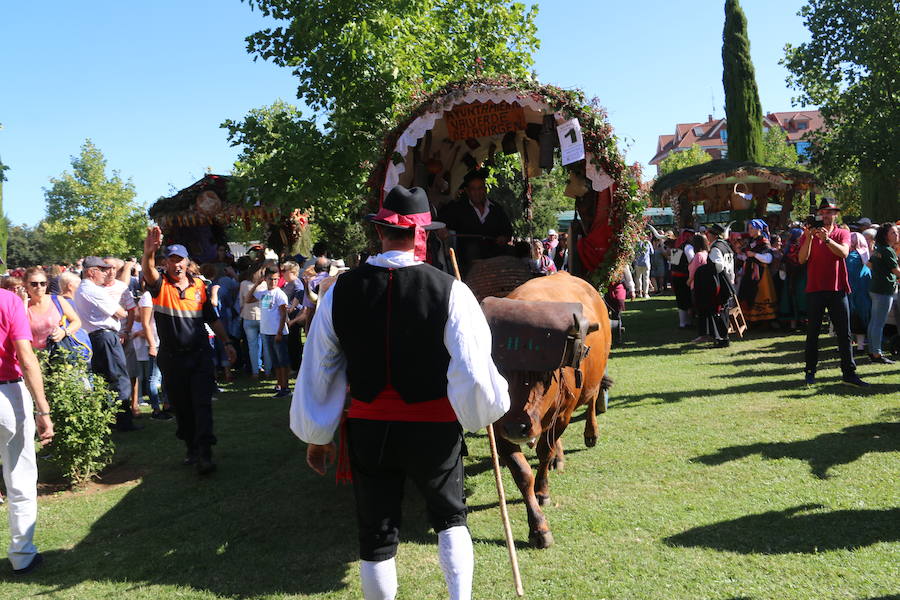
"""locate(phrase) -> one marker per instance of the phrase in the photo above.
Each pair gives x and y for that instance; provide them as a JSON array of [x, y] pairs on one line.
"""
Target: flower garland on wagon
[[628, 199]]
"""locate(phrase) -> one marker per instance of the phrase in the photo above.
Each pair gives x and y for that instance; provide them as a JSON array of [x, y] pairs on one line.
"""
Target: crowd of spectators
[[785, 279]]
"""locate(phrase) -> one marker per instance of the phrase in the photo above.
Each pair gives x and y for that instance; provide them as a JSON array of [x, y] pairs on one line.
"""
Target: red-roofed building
[[712, 136]]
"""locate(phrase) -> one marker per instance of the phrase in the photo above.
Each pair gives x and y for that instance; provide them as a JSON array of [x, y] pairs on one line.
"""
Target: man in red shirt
[[824, 249]]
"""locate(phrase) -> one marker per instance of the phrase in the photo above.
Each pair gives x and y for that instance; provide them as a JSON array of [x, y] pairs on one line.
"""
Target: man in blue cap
[[182, 309]]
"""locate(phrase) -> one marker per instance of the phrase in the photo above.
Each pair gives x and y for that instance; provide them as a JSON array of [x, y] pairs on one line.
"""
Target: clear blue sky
[[150, 82]]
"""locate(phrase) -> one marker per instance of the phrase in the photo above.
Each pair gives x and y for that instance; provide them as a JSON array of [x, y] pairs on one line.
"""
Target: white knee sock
[[457, 560], [683, 319], [379, 579]]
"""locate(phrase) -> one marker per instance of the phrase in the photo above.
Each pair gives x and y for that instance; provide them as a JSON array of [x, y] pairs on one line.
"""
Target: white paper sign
[[571, 144]]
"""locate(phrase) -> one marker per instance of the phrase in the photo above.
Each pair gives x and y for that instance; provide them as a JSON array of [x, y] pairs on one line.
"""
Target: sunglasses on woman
[[35, 284]]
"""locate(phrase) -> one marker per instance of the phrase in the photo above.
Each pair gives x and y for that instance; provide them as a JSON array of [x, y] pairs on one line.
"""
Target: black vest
[[390, 323], [682, 266]]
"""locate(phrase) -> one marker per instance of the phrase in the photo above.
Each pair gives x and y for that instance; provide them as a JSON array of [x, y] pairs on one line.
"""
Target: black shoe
[[205, 466], [130, 427], [854, 380], [190, 458], [162, 416], [881, 359], [721, 344], [34, 564], [810, 378]]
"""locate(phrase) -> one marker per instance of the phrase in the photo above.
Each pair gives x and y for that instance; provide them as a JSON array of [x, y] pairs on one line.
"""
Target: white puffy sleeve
[[718, 259], [689, 252], [764, 257], [321, 386], [476, 390]]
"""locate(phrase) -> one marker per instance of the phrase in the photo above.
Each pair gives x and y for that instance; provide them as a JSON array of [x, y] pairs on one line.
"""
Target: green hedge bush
[[82, 415]]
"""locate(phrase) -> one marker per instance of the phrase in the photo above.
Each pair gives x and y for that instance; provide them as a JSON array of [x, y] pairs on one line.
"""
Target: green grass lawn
[[717, 475]]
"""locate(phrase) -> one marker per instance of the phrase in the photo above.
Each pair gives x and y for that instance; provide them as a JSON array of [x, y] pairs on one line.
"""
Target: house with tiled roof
[[712, 136]]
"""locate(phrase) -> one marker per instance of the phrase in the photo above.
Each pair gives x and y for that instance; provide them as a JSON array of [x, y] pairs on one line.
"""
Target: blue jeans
[[151, 381], [257, 349], [881, 308], [278, 351]]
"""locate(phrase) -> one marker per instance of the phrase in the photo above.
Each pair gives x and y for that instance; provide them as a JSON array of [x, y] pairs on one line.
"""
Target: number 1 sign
[[571, 144]]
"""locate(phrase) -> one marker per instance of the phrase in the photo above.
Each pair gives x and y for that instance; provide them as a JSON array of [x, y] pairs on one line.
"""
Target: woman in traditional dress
[[792, 300], [757, 292]]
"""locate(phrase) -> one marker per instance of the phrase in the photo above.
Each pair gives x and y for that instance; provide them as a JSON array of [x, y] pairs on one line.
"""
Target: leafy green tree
[[4, 222], [89, 213], [359, 65], [695, 155], [850, 67], [776, 151], [742, 108], [27, 247], [507, 188]]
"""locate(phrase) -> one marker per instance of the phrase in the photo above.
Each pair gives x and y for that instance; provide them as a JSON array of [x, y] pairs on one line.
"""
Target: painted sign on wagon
[[482, 119]]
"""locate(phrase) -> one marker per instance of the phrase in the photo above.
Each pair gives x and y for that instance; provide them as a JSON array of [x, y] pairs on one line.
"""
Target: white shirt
[[96, 306], [141, 347], [270, 302], [476, 390], [481, 215]]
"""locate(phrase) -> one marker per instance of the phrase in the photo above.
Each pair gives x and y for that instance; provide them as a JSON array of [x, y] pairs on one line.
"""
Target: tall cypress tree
[[4, 225], [742, 108]]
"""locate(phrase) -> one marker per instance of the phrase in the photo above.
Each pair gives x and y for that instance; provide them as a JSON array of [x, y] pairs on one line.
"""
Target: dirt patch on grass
[[112, 476]]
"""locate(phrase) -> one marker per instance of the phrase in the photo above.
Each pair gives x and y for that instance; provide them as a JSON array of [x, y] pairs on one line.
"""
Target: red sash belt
[[389, 406]]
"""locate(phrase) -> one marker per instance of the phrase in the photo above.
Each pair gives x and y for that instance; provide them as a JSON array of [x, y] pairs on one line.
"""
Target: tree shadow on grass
[[263, 524], [795, 530], [670, 397], [821, 452]]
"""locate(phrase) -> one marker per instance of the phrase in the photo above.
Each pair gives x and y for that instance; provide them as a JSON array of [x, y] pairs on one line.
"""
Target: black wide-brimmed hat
[[404, 209], [828, 204], [717, 229]]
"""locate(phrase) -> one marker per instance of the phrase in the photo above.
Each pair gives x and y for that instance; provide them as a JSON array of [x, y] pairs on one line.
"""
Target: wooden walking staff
[[495, 460]]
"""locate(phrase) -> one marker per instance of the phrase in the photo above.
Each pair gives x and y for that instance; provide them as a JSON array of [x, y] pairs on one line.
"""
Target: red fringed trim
[[343, 474]]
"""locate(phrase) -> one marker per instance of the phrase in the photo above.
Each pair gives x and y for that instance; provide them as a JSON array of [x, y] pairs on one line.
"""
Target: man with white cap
[[414, 348], [101, 315], [181, 309]]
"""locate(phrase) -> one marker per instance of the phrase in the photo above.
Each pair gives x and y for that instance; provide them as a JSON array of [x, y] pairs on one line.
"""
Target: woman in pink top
[[43, 315], [701, 254]]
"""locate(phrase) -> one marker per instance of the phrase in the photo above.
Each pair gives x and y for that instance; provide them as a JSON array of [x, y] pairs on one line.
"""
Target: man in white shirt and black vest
[[415, 349]]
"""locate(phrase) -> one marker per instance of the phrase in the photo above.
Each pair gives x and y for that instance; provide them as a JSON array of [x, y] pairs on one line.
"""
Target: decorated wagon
[[738, 191], [467, 125], [551, 334], [198, 217]]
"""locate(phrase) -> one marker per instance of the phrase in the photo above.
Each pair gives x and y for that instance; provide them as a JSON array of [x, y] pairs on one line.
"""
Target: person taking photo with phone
[[824, 249]]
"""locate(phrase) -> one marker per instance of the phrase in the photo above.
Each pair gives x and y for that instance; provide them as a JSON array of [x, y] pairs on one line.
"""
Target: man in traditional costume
[[681, 257], [483, 230], [714, 283], [415, 349]]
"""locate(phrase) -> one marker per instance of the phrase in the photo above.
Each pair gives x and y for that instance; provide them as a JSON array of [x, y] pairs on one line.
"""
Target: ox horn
[[593, 327], [728, 229], [656, 234]]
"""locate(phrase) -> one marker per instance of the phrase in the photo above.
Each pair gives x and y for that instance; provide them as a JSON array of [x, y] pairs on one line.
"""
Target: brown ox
[[541, 403]]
